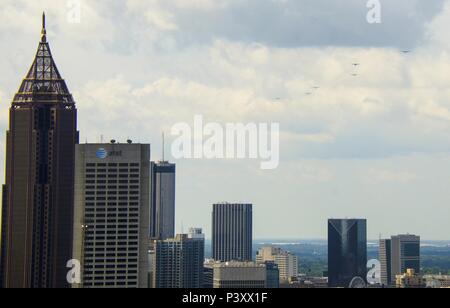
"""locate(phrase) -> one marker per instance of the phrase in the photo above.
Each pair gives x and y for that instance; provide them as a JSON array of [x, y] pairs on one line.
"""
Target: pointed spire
[[44, 31], [43, 79]]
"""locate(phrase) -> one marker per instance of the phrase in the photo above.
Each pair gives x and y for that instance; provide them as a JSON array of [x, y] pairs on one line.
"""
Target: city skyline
[[382, 161]]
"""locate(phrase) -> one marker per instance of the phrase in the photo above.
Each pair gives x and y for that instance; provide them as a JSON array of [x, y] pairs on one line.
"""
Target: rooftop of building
[[238, 264]]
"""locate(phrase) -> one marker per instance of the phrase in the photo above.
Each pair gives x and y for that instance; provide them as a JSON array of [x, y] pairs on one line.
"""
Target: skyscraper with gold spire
[[37, 212]]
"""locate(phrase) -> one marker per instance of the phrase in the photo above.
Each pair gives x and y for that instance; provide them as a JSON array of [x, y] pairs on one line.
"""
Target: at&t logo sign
[[101, 153]]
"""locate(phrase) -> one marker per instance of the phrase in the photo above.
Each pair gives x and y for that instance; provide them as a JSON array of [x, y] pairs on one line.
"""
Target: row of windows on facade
[[109, 271], [113, 216], [102, 182], [91, 204], [111, 246], [112, 212], [124, 253], [109, 284], [91, 219], [96, 243], [111, 278], [112, 193], [115, 187], [123, 198], [105, 227], [130, 259], [131, 252], [113, 170], [116, 217], [112, 164], [91, 278], [116, 221], [130, 275], [88, 235], [130, 262], [99, 243], [101, 231], [102, 265], [103, 246], [112, 208], [112, 263], [111, 176]]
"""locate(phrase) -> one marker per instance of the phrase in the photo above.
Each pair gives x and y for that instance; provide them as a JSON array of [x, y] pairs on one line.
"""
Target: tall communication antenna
[[163, 147]]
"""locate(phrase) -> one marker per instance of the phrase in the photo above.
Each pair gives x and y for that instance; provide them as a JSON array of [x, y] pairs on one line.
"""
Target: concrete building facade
[[111, 226]]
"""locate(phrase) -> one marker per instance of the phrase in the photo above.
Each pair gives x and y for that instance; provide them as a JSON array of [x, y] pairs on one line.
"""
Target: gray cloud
[[294, 23]]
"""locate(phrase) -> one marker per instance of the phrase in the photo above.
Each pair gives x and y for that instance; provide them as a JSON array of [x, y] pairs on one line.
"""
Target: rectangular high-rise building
[[232, 232], [178, 262], [112, 200], [239, 275], [405, 254], [385, 258], [37, 211], [162, 209], [347, 251]]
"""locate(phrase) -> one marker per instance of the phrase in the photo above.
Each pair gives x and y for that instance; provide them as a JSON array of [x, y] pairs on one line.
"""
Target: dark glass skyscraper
[[347, 251], [273, 275], [38, 194], [405, 250], [232, 232], [162, 209]]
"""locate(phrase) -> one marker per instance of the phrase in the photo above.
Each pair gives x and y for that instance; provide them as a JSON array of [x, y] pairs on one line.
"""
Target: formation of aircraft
[[354, 74]]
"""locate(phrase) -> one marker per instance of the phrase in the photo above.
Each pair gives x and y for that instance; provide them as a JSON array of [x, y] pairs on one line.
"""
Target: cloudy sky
[[372, 141]]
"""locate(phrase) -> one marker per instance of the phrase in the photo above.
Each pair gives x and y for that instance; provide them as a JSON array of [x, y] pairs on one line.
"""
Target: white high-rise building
[[286, 261]]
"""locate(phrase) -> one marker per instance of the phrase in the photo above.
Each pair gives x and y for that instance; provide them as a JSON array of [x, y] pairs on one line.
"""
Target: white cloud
[[231, 81], [310, 172], [160, 19], [437, 29], [204, 5], [24, 16], [160, 13]]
